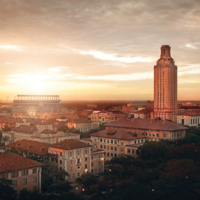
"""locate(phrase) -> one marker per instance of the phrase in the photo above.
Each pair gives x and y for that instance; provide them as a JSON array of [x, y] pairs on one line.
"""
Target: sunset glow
[[96, 50]]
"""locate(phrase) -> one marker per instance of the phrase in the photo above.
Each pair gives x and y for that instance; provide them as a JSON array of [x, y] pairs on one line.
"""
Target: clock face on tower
[[165, 85]]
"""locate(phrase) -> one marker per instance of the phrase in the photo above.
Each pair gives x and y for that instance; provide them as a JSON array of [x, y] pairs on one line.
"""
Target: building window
[[92, 157], [24, 172], [14, 183], [111, 141], [108, 147], [115, 148], [24, 181], [34, 179], [122, 142], [60, 161], [104, 140], [100, 140], [34, 171], [129, 151], [70, 169], [156, 135], [115, 155], [115, 141], [108, 141], [111, 148], [107, 154], [104, 147], [92, 171], [98, 162], [78, 153], [73, 176], [14, 174], [78, 160], [70, 162], [85, 151], [92, 164], [99, 156], [98, 169], [111, 154], [132, 151], [86, 159], [95, 170], [149, 134], [60, 168], [70, 154], [78, 174], [60, 153], [86, 166], [100, 146], [34, 188]]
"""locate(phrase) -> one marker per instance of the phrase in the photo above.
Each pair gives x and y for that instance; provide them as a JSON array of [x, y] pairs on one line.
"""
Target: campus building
[[106, 116], [117, 141], [189, 118], [23, 172], [77, 158], [70, 155], [154, 130]]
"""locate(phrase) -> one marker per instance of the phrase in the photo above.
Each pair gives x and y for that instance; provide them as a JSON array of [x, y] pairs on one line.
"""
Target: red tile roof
[[189, 107], [12, 162], [48, 131], [120, 134], [146, 124], [34, 147], [70, 144], [10, 120], [144, 111], [25, 129], [189, 113], [79, 121]]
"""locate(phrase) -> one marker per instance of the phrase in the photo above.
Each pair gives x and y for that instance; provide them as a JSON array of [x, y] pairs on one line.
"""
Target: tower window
[[163, 51]]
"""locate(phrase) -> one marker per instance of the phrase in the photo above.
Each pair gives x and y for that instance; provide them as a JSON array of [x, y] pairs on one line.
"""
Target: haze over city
[[96, 50]]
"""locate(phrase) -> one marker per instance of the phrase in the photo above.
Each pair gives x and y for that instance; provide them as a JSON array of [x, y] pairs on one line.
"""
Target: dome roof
[[62, 117]]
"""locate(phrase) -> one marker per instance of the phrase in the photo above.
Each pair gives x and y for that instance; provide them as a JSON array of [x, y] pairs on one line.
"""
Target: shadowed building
[[165, 86]]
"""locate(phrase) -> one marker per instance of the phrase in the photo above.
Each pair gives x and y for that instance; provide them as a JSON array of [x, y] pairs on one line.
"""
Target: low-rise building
[[77, 158], [106, 116], [142, 114], [115, 142], [83, 125], [189, 118], [39, 133], [154, 130], [23, 172]]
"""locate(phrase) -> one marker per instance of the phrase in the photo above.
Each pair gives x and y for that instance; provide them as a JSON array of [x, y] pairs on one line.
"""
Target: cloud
[[57, 69], [190, 46], [10, 47]]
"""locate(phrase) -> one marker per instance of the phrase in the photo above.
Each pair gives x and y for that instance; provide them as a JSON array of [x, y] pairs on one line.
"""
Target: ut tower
[[165, 86]]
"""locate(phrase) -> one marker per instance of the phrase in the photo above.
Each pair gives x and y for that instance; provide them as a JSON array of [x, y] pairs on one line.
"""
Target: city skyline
[[96, 50]]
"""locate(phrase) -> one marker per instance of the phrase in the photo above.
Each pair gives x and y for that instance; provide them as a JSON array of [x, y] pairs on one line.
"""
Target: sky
[[96, 49]]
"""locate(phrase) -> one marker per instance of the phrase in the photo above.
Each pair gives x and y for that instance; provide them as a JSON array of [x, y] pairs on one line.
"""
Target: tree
[[87, 179], [50, 172], [6, 190], [5, 138], [152, 151], [6, 128], [114, 172], [61, 186]]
